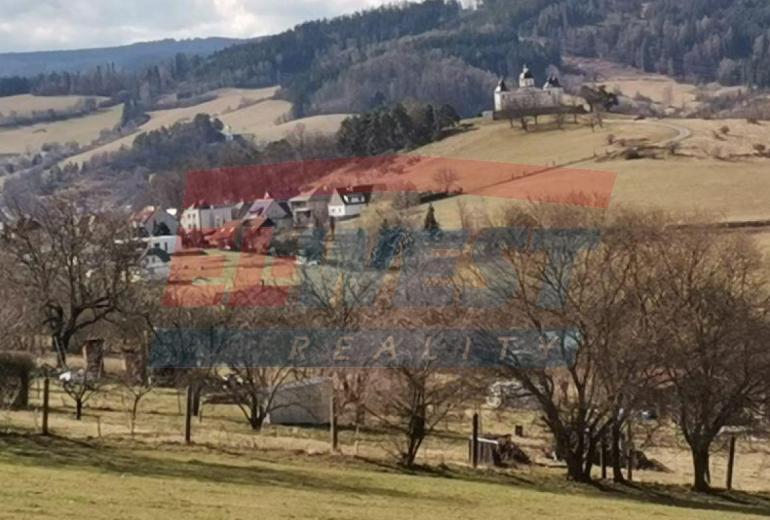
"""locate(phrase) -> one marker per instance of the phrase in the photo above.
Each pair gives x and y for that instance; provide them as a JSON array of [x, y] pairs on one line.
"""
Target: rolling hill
[[127, 57]]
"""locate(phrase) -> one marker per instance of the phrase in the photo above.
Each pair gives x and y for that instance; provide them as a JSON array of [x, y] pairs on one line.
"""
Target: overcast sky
[[30, 25]]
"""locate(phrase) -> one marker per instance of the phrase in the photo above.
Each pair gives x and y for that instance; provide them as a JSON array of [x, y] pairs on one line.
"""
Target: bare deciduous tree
[[711, 305], [445, 179], [412, 401], [71, 265], [573, 290]]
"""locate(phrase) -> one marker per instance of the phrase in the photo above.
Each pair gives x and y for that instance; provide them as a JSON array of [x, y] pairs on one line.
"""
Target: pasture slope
[[97, 468], [226, 102], [252, 112], [25, 104], [712, 173], [106, 480], [83, 130]]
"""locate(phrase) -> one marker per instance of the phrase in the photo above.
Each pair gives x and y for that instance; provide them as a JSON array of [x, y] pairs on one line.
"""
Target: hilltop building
[[527, 96]]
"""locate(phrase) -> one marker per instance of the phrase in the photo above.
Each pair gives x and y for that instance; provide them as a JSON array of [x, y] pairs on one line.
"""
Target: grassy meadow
[[222, 431], [631, 81], [54, 478], [226, 102], [82, 130], [710, 172], [25, 104], [252, 112]]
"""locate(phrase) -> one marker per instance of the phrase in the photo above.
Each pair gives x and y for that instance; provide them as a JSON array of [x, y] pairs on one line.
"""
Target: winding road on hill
[[682, 133]]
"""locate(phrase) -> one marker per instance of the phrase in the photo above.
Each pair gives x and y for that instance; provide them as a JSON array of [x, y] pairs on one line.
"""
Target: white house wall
[[167, 243]]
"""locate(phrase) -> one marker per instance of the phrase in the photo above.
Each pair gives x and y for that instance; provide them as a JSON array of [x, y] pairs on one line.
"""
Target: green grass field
[[96, 469], [55, 478]]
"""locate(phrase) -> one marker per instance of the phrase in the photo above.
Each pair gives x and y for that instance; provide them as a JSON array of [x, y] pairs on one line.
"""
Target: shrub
[[15, 373], [631, 153]]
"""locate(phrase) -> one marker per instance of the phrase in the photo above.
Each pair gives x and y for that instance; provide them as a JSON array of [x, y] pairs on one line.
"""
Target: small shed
[[303, 402]]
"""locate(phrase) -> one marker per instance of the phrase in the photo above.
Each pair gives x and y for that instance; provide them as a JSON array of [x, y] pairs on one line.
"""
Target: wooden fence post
[[475, 441], [46, 393], [188, 414], [730, 463], [333, 435]]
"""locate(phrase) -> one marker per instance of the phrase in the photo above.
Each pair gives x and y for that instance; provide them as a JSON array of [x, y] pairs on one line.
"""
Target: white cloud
[[71, 24]]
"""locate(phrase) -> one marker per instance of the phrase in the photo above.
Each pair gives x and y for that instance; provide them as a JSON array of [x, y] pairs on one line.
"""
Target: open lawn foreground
[[58, 478]]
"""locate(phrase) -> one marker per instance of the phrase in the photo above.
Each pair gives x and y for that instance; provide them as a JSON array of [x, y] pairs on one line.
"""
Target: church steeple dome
[[526, 79], [552, 82]]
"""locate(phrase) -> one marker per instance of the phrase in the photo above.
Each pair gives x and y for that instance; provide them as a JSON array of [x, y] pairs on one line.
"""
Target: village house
[[225, 236], [169, 244], [310, 207], [204, 217], [277, 211], [241, 210], [156, 264], [349, 201], [156, 259], [248, 234], [154, 221]]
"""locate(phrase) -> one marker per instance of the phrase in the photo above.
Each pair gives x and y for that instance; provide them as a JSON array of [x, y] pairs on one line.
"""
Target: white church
[[528, 96]]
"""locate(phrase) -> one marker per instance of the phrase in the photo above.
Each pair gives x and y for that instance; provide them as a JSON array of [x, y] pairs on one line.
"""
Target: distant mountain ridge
[[131, 57]]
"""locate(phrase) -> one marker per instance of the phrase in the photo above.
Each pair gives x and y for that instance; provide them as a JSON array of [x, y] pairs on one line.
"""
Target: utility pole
[[188, 414], [475, 441], [46, 393], [730, 463]]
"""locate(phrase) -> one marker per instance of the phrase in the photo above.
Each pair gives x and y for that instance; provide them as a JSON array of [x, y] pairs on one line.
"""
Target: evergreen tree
[[403, 131], [391, 242], [132, 112], [447, 116], [431, 224]]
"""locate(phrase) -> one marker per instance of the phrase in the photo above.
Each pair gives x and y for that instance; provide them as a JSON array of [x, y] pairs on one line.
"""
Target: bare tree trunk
[[575, 466], [617, 466], [574, 456], [589, 460], [360, 414], [60, 348], [134, 411], [416, 436], [700, 459], [78, 409], [256, 415]]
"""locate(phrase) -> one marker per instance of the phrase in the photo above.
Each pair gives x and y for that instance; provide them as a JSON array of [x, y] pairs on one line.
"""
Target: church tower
[[500, 91], [526, 79], [554, 88]]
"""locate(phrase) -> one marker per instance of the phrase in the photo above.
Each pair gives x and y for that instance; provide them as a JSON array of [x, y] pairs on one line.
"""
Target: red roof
[[144, 214], [225, 232]]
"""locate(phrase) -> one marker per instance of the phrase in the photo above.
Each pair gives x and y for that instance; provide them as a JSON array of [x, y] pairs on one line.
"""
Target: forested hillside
[[700, 40], [437, 52], [432, 51]]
